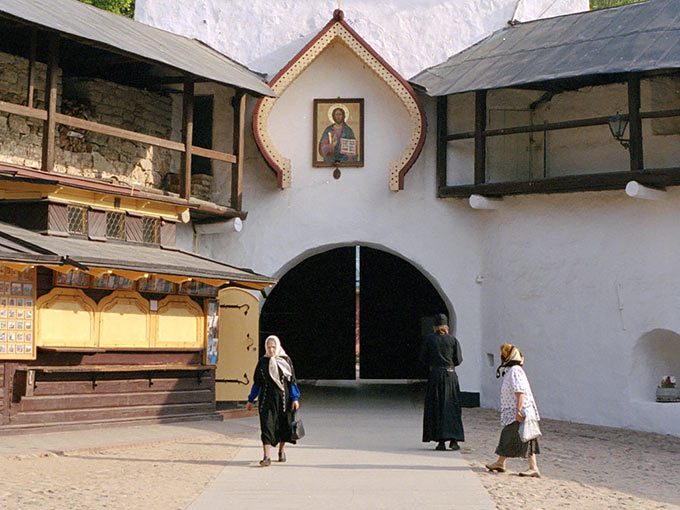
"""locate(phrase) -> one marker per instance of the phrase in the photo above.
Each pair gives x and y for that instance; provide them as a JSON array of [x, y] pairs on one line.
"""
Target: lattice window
[[77, 219], [115, 225], [151, 230]]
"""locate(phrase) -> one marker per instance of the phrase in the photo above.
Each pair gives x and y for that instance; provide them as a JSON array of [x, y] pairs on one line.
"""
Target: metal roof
[[632, 38], [97, 27], [20, 245]]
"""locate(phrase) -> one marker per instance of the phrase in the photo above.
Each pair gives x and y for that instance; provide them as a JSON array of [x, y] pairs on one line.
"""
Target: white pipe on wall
[[636, 190]]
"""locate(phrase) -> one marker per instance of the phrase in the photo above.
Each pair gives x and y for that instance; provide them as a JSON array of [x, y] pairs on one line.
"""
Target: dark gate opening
[[325, 329]]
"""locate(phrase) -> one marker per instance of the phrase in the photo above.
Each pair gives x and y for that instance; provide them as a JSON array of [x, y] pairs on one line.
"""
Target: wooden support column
[[239, 104], [31, 68], [442, 141], [635, 123], [480, 140], [187, 137], [50, 125]]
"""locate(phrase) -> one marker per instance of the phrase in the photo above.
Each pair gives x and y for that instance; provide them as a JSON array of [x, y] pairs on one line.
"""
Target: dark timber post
[[442, 142], [239, 104], [50, 125], [635, 122], [187, 137], [31, 68], [480, 140]]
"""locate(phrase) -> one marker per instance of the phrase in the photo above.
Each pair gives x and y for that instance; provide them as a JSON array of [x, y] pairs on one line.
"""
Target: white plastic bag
[[529, 429]]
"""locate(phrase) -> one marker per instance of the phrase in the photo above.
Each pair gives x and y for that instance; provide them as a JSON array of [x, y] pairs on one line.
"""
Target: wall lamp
[[617, 125]]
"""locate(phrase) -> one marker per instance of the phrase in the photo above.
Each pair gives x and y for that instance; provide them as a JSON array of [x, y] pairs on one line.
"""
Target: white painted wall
[[581, 282], [409, 34]]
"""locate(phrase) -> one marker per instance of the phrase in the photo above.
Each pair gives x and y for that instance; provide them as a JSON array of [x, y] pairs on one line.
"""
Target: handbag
[[297, 429], [529, 429]]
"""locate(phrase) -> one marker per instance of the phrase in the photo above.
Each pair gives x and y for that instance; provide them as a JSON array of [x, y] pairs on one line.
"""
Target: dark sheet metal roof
[[21, 245], [632, 38], [101, 28]]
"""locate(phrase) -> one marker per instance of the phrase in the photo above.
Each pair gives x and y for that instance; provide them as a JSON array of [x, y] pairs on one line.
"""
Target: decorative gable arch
[[337, 30]]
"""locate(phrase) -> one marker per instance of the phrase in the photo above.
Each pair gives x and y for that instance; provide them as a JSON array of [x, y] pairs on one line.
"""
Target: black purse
[[297, 429]]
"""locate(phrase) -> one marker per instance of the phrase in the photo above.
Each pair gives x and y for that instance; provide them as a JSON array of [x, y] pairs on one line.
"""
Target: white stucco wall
[[409, 34], [585, 283], [579, 281]]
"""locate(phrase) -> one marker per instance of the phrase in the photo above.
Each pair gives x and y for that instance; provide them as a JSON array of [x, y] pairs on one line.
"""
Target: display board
[[17, 313]]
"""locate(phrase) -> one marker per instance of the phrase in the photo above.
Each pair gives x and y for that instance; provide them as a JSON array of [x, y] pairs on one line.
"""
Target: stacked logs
[[72, 139]]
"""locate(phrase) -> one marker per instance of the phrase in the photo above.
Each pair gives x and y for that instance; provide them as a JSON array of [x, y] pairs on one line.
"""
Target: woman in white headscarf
[[517, 403], [275, 384]]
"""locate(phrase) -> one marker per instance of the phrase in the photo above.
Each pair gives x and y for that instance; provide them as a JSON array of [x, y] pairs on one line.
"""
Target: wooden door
[[237, 348]]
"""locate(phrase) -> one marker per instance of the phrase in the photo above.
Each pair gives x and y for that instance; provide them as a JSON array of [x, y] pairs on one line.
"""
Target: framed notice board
[[17, 313]]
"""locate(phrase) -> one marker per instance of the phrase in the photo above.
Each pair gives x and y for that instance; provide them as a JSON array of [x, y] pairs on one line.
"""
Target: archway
[[656, 354], [315, 310]]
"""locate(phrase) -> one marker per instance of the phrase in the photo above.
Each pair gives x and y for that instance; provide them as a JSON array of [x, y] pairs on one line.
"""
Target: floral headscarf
[[510, 356]]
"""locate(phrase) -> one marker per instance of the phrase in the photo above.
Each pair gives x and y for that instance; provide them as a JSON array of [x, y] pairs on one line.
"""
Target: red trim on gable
[[339, 17]]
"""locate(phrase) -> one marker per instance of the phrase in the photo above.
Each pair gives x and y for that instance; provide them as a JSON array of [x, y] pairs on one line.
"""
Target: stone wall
[[80, 152]]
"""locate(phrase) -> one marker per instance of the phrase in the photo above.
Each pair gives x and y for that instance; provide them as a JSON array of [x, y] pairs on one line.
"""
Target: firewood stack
[[72, 139]]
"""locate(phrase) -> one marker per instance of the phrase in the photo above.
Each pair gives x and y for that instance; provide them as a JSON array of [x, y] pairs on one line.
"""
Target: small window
[[77, 219], [151, 230], [115, 225]]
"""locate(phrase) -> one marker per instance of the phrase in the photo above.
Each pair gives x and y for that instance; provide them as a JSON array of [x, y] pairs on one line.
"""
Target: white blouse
[[515, 381]]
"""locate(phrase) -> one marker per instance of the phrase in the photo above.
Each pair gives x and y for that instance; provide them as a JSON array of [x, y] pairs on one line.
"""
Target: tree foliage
[[605, 4], [123, 7]]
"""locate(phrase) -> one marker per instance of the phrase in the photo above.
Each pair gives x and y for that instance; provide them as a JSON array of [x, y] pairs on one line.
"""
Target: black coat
[[274, 404], [442, 420]]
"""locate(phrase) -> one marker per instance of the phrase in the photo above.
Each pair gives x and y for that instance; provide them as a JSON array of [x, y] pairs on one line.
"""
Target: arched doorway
[[315, 310]]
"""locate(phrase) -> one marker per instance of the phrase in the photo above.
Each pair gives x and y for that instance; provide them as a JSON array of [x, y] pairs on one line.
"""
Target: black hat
[[440, 320]]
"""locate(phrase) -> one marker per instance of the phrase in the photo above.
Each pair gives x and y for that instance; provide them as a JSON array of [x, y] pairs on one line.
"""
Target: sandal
[[282, 457], [265, 462], [533, 473], [495, 467], [453, 445], [441, 446]]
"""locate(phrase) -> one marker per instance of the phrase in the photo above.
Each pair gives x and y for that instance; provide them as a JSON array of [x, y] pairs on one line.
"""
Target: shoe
[[282, 457], [453, 445], [265, 462], [441, 446], [534, 473], [495, 467]]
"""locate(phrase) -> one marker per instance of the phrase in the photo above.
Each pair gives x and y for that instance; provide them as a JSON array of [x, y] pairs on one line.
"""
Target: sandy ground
[[583, 467], [166, 476]]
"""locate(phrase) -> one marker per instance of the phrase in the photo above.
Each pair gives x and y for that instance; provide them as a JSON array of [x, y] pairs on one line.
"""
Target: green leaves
[[605, 4], [122, 7]]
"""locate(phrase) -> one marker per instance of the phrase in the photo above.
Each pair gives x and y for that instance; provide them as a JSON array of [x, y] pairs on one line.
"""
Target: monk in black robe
[[442, 420]]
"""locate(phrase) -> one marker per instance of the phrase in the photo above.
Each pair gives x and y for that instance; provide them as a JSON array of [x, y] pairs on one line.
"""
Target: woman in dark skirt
[[517, 402], [275, 384], [442, 420]]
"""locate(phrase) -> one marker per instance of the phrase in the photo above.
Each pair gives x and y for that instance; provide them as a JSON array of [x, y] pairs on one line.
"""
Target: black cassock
[[442, 420], [274, 404]]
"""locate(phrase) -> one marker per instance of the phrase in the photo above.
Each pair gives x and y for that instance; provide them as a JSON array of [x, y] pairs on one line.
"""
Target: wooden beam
[[209, 153], [442, 143], [567, 184], [635, 123], [31, 68], [104, 129], [239, 120], [480, 139], [187, 137], [25, 111], [50, 124]]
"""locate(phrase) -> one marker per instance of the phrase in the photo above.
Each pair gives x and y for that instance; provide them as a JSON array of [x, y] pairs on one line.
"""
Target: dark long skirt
[[274, 421], [511, 445], [442, 420]]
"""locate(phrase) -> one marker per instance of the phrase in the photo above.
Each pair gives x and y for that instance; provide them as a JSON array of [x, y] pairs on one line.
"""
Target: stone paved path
[[362, 451]]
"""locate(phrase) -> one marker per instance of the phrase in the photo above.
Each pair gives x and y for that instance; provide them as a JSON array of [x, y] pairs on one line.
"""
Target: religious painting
[[338, 132]]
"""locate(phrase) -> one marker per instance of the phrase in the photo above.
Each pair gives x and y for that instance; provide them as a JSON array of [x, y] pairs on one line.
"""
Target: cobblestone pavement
[[584, 467], [167, 475]]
